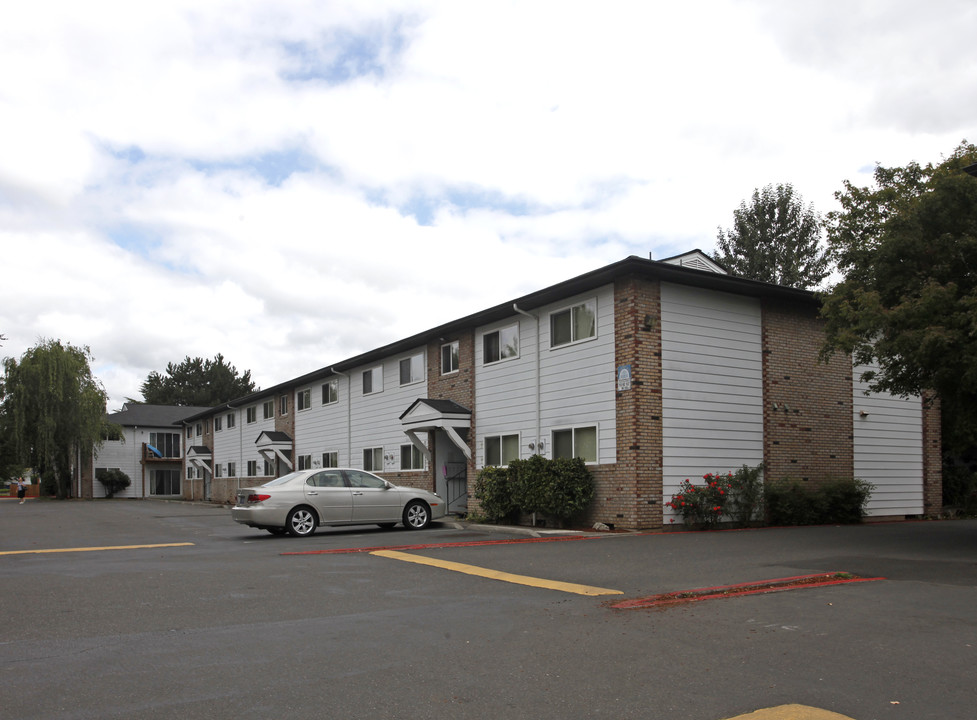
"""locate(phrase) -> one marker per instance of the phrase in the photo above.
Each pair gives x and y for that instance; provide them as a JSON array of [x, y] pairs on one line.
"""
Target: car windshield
[[282, 480]]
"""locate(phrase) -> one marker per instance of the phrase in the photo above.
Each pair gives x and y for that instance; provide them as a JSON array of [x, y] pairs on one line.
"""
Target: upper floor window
[[231, 419], [500, 344], [218, 423], [578, 442], [200, 429], [252, 418], [283, 405], [167, 443], [303, 399], [330, 392], [268, 409], [373, 380], [449, 358], [412, 369], [578, 322]]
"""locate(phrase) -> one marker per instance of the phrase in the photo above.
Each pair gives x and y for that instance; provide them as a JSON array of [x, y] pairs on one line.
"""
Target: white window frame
[[217, 471], [303, 399], [283, 405], [231, 469], [415, 458], [376, 380], [453, 357], [501, 438], [304, 462], [330, 459], [511, 331], [573, 430], [572, 311], [252, 468], [415, 369], [268, 409], [231, 420], [252, 415], [370, 456], [330, 392], [218, 424]]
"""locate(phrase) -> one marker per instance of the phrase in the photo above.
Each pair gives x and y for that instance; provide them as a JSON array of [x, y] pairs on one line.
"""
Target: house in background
[[651, 371], [149, 450]]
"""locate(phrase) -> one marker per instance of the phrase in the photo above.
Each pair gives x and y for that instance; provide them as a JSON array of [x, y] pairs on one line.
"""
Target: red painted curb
[[757, 587]]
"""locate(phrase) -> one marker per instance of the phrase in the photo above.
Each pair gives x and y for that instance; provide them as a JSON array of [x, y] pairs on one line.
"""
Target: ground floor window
[[252, 468], [411, 458], [164, 482], [305, 462], [500, 450], [578, 442], [330, 459], [373, 459]]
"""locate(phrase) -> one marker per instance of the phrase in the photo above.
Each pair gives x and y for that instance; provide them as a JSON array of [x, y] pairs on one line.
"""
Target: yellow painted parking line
[[497, 574], [792, 712], [93, 549]]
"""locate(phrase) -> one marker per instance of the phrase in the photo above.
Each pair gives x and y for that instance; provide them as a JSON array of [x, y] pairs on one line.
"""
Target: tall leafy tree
[[908, 302], [776, 238], [53, 408], [196, 382]]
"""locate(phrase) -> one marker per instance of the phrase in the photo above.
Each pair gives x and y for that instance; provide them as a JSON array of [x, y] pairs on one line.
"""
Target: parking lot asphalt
[[191, 615]]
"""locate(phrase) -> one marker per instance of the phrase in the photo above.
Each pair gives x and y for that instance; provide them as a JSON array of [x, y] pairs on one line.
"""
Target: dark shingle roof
[[137, 414]]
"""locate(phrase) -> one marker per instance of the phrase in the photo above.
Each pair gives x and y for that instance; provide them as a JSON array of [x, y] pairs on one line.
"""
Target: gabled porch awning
[[199, 456], [427, 415], [272, 444]]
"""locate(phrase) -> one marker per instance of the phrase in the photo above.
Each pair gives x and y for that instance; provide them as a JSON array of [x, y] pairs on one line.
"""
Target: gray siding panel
[[712, 384]]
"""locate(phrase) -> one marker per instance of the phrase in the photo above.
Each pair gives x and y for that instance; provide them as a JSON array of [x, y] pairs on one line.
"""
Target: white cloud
[[293, 183]]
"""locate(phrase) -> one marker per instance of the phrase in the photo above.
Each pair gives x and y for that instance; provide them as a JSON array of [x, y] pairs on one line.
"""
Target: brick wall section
[[629, 495], [459, 387], [808, 436], [932, 457]]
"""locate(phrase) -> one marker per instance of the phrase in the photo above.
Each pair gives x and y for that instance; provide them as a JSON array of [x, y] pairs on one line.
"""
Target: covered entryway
[[276, 448], [446, 425], [200, 458]]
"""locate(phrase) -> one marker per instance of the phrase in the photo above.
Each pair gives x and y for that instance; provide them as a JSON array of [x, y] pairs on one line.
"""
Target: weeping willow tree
[[53, 409]]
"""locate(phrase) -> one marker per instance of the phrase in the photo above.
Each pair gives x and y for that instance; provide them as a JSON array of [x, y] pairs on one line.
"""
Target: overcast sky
[[293, 183]]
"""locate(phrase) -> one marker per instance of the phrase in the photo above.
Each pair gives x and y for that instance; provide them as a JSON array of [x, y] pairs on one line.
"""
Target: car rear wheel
[[301, 522], [417, 515]]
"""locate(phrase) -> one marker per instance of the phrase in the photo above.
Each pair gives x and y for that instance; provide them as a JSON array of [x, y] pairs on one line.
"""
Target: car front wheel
[[301, 522], [417, 515]]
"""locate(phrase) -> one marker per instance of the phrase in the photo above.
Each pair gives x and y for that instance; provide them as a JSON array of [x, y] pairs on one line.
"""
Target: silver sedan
[[300, 502]]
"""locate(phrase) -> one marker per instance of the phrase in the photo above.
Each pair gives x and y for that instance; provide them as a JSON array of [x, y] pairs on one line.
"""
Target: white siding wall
[[125, 456], [889, 449], [712, 384], [375, 418], [250, 433], [229, 444], [322, 428], [577, 382]]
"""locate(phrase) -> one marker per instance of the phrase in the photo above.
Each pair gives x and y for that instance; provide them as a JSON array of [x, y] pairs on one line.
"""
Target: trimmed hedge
[[560, 488], [835, 502]]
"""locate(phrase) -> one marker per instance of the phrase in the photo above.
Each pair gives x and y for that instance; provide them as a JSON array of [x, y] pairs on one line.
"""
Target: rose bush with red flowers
[[737, 496]]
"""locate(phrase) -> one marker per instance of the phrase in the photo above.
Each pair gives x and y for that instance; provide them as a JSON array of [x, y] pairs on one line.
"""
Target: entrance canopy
[[427, 415], [199, 456], [274, 444]]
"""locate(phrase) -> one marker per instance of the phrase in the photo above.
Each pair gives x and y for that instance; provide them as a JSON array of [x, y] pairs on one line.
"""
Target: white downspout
[[536, 318], [349, 417]]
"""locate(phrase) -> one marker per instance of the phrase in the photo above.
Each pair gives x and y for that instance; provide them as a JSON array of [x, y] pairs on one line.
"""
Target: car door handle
[[357, 493], [312, 492]]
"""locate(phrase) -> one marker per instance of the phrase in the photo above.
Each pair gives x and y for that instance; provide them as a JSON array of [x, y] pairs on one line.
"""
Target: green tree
[[196, 382], [53, 408], [908, 248], [775, 239]]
